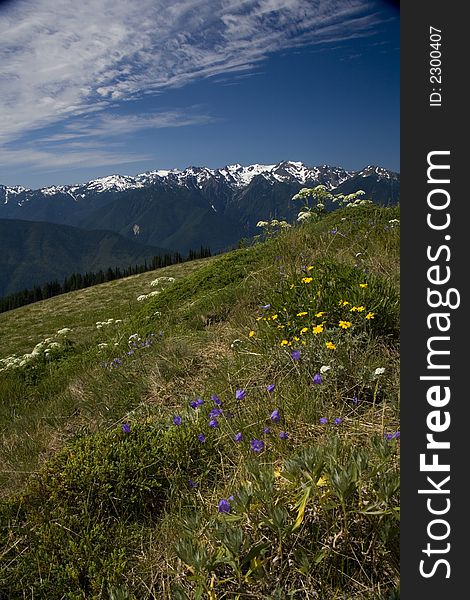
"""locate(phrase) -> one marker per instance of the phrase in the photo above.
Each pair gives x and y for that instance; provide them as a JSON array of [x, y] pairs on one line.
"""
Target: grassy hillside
[[235, 435]]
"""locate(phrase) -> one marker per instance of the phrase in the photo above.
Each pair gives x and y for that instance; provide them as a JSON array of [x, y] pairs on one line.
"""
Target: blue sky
[[111, 86]]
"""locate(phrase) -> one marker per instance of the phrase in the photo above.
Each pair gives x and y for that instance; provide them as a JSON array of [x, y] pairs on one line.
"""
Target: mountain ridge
[[236, 174]]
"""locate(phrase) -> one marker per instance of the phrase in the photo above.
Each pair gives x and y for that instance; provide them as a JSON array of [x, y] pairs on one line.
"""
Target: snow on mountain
[[235, 176], [12, 191], [372, 169]]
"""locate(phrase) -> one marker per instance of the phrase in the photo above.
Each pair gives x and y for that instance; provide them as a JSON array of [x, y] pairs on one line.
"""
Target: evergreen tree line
[[78, 281]]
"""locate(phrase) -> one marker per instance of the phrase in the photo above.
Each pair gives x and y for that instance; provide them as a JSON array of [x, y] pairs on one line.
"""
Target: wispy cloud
[[60, 59]]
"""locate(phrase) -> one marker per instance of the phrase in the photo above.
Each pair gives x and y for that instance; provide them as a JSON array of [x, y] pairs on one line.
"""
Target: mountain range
[[180, 209]]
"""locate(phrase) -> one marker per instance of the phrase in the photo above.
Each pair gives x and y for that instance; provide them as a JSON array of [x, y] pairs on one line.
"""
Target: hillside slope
[[234, 433]]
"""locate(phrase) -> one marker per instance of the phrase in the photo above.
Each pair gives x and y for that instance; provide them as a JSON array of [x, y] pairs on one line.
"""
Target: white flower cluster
[[160, 281], [64, 331], [145, 296], [394, 223], [101, 324], [274, 223], [45, 347]]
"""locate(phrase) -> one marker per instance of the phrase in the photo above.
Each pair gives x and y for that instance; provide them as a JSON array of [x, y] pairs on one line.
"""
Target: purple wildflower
[[265, 306], [201, 437], [223, 506], [317, 378], [126, 428], [213, 423], [323, 420], [257, 445], [283, 435], [266, 430], [238, 437], [338, 420], [270, 387], [196, 403], [192, 483], [215, 412], [355, 400], [216, 399], [396, 434], [333, 231], [295, 354], [240, 394], [177, 420], [275, 416]]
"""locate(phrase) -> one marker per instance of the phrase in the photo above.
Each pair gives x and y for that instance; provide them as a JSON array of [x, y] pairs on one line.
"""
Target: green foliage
[[275, 533]]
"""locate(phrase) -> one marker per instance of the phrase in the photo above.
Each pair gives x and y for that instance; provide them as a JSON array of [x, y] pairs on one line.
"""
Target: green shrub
[[79, 523]]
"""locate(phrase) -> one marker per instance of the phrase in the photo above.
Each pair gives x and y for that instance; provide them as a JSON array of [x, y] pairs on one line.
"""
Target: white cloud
[[60, 59]]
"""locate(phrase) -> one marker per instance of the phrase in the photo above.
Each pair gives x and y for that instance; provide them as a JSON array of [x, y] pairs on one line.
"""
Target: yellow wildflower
[[274, 317], [330, 346], [303, 330], [296, 339], [320, 314], [322, 481], [310, 268], [302, 314], [363, 285], [345, 324], [318, 329], [292, 285], [353, 309], [307, 279], [370, 315], [284, 343], [344, 303], [251, 334]]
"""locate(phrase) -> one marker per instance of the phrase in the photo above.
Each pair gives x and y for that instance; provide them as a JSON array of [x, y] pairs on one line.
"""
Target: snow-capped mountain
[[236, 176], [181, 209]]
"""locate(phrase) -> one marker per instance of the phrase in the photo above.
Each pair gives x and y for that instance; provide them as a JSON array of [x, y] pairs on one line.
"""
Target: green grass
[[90, 511], [24, 327]]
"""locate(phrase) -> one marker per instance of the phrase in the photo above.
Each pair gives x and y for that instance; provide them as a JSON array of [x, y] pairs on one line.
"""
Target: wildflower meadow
[[228, 432]]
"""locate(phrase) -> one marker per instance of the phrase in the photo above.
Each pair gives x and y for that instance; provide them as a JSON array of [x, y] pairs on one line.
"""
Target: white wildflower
[[64, 331], [325, 368], [304, 215], [379, 371]]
